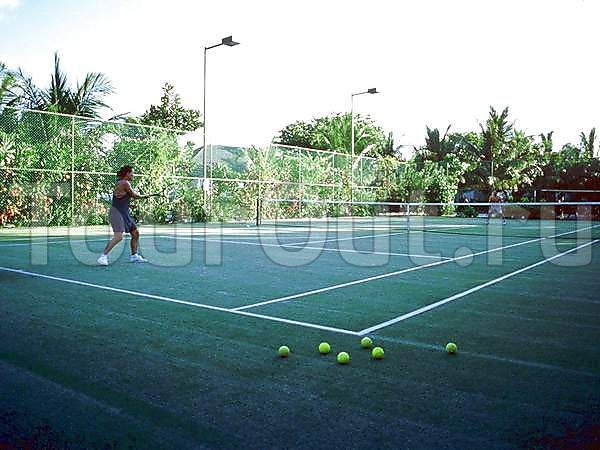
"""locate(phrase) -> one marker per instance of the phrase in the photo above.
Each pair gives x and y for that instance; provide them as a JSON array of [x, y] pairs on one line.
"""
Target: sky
[[435, 62]]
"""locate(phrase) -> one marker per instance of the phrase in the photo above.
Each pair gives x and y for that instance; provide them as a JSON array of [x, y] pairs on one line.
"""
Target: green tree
[[501, 157], [389, 149], [436, 148], [87, 99], [588, 143], [297, 134], [572, 167], [7, 80], [334, 132], [547, 142], [171, 114]]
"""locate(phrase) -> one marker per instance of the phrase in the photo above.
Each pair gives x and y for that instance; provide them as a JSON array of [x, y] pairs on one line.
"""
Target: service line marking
[[454, 297], [297, 247], [399, 272]]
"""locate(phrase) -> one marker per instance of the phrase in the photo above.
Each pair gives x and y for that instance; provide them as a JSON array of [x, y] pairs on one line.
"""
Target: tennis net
[[569, 220]]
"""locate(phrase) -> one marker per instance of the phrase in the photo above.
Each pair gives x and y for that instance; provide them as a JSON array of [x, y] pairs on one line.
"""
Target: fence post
[[334, 176], [72, 171], [210, 181], [259, 158], [300, 180]]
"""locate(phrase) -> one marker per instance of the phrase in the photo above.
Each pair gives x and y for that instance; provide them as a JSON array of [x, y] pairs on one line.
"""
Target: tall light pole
[[228, 42], [368, 91]]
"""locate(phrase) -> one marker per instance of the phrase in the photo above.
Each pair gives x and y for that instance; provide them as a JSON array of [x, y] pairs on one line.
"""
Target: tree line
[[497, 155]]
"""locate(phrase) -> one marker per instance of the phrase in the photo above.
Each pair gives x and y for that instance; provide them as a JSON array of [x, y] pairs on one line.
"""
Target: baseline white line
[[399, 272], [64, 241], [416, 312], [67, 241], [262, 244], [21, 239], [181, 302]]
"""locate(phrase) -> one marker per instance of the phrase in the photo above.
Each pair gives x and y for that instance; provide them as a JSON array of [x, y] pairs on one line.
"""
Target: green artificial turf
[[83, 367]]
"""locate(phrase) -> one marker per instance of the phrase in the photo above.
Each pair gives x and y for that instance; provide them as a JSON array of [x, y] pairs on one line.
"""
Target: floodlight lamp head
[[372, 91], [229, 42]]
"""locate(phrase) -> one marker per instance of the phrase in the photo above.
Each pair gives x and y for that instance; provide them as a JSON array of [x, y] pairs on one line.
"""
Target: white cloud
[[9, 4]]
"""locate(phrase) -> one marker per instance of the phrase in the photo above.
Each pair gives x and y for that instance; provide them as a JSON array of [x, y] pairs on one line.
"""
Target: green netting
[[66, 166]]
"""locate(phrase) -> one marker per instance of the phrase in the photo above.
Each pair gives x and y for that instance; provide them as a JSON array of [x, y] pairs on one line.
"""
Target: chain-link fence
[[59, 169]]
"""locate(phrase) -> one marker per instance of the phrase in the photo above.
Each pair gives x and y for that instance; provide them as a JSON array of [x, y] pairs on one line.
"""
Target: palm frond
[[7, 80], [24, 93], [89, 96], [58, 96]]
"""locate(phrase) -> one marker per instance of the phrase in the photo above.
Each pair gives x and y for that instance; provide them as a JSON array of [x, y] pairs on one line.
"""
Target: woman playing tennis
[[120, 217]]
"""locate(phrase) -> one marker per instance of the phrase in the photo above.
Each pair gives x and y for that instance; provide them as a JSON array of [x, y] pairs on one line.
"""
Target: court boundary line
[[479, 287], [181, 302], [64, 241], [67, 240], [30, 239], [400, 272]]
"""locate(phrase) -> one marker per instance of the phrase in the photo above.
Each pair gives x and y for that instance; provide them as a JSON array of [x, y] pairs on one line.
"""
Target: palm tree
[[496, 133], [588, 143], [7, 80], [547, 142], [508, 157], [436, 148], [86, 100]]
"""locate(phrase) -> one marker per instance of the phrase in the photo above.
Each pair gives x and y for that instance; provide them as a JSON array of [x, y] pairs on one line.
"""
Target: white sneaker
[[103, 260], [137, 259]]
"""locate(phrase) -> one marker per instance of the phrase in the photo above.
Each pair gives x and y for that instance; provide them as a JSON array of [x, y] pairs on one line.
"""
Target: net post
[[257, 218], [408, 217]]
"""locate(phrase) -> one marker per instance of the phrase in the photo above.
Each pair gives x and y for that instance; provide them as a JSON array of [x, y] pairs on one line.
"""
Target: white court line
[[347, 239], [416, 312], [262, 244], [68, 241], [399, 272], [181, 302], [64, 241], [21, 239]]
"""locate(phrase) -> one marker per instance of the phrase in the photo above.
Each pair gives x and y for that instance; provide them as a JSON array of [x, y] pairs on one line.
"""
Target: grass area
[[87, 367]]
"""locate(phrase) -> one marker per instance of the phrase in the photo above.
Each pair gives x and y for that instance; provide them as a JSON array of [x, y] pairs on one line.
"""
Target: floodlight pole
[[368, 91], [229, 42]]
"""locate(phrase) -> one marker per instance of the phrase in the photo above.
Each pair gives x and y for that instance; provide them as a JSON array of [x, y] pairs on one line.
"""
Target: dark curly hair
[[124, 171]]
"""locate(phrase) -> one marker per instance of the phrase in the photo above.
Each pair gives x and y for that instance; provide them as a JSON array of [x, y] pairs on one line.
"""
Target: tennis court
[[182, 352]]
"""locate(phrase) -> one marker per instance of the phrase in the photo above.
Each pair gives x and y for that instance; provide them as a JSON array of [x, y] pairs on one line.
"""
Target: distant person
[[120, 217], [561, 210], [495, 208]]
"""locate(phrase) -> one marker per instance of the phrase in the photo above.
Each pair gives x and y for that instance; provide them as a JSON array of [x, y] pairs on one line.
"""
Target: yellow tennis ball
[[283, 351], [324, 348], [377, 353], [343, 358], [366, 342], [451, 348]]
